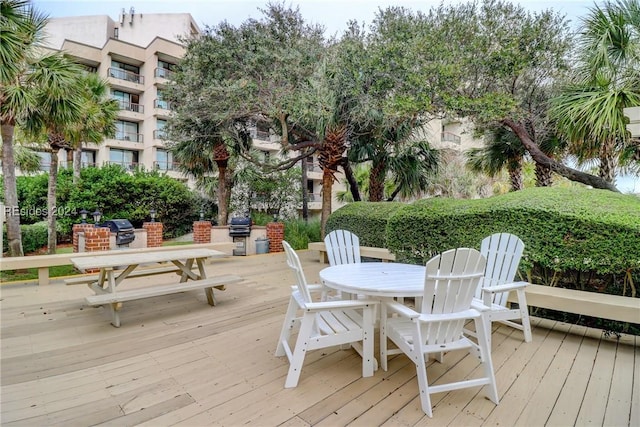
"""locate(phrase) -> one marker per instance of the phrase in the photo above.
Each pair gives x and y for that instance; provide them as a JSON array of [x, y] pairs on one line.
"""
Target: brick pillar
[[202, 232], [154, 234], [96, 239], [275, 234], [77, 229]]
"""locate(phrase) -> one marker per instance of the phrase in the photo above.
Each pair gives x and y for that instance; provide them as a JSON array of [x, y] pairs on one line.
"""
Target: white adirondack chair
[[450, 283], [503, 252], [343, 247], [323, 324]]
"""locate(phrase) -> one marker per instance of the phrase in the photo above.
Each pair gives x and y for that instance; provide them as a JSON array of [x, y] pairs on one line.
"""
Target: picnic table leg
[[115, 313]]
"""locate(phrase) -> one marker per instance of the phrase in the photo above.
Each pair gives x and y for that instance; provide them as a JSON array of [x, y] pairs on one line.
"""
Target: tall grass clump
[[299, 233]]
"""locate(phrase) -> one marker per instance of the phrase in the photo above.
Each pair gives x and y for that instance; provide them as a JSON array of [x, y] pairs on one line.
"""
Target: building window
[[125, 158], [45, 161], [88, 159], [128, 101], [160, 102], [164, 160], [116, 31], [159, 133], [127, 131]]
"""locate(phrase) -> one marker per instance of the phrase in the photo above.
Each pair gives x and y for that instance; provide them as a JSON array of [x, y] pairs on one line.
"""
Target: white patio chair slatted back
[[343, 247], [293, 261], [503, 252], [451, 279], [450, 282]]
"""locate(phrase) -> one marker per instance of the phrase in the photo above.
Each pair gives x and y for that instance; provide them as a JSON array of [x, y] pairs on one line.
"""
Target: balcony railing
[[166, 166], [159, 134], [450, 137], [161, 103], [129, 76], [88, 164], [129, 136], [131, 166], [315, 197], [313, 167], [262, 135], [163, 73], [129, 106]]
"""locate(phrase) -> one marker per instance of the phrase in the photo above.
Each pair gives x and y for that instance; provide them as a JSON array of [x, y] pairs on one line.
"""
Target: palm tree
[[503, 150], [589, 111], [99, 113], [23, 75], [58, 113]]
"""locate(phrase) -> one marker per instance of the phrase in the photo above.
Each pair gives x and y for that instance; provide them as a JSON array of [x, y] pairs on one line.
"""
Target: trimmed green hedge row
[[586, 238], [563, 229], [368, 220]]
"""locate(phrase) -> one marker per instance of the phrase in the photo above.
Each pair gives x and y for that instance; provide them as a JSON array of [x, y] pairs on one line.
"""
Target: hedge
[[368, 220], [562, 228]]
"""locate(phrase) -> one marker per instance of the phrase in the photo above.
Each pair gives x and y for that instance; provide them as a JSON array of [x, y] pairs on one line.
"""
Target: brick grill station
[[79, 228], [275, 234], [154, 234], [202, 232], [96, 239]]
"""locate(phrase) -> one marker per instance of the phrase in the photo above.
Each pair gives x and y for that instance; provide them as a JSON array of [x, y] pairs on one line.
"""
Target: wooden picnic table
[[115, 268]]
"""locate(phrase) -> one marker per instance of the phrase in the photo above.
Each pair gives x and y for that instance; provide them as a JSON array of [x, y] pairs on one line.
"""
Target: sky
[[332, 14]]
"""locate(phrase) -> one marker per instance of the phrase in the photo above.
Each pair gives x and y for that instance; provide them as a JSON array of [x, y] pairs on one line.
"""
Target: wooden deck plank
[[543, 399], [178, 363], [594, 403], [621, 392]]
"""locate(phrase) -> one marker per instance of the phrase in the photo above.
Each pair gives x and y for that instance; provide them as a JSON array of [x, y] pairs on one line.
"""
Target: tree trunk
[[539, 157], [351, 179], [52, 236], [12, 210], [305, 191], [515, 174], [223, 205], [543, 176], [77, 164], [376, 182], [327, 184], [607, 161]]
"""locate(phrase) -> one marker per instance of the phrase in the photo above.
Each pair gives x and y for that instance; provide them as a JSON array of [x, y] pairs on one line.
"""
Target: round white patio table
[[376, 279]]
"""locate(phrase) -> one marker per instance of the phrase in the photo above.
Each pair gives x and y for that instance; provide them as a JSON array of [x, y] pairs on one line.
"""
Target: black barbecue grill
[[240, 229], [125, 233]]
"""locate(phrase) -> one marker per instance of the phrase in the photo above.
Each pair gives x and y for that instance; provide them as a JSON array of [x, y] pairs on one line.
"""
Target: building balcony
[[450, 137], [125, 75], [163, 73], [165, 166], [162, 104], [129, 106], [130, 166], [129, 136], [159, 134]]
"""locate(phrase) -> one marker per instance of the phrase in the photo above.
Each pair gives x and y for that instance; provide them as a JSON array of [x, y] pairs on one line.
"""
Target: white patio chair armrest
[[479, 305], [328, 305], [461, 315], [505, 287], [401, 309]]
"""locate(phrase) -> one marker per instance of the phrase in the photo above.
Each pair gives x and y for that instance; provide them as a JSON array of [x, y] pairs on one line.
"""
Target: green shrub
[[116, 193], [34, 236], [299, 233], [368, 220]]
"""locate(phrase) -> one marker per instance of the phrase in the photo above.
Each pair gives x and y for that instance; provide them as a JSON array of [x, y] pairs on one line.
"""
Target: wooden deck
[[178, 361]]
